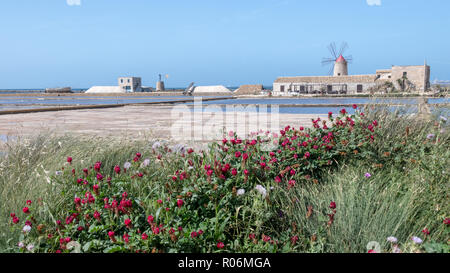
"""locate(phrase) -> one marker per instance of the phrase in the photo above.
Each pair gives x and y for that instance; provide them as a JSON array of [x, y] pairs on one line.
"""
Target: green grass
[[408, 193]]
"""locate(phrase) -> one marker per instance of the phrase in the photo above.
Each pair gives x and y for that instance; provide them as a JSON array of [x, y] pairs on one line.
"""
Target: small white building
[[126, 85]]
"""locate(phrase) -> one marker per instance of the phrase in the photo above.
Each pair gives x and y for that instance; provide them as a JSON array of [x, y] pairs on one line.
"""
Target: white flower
[[392, 239], [179, 148], [21, 245], [416, 240], [127, 165], [146, 162], [26, 228], [240, 192], [156, 145], [261, 190], [30, 247]]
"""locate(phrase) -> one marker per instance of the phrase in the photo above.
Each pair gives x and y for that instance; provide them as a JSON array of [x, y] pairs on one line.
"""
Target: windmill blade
[[344, 47], [332, 49], [349, 58], [326, 61], [330, 72]]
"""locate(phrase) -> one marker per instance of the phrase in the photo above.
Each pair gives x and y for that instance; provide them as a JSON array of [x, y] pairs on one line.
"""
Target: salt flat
[[132, 121]]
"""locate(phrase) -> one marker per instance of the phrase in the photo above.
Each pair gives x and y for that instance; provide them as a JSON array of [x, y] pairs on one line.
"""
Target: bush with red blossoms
[[236, 196]]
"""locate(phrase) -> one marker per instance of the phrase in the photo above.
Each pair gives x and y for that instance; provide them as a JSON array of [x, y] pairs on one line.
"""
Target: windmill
[[337, 60]]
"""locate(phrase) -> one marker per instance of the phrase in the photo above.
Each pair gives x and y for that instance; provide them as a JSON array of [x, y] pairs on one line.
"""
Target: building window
[[359, 88], [121, 80], [282, 88], [329, 88], [302, 88], [128, 80]]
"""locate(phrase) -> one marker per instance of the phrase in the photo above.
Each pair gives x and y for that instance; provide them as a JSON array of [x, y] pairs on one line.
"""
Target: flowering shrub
[[225, 199]]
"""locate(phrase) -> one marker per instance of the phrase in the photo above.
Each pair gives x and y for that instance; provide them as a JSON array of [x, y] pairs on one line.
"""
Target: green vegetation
[[332, 188]]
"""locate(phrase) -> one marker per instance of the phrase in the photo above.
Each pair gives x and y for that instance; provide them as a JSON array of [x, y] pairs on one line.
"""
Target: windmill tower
[[339, 63]]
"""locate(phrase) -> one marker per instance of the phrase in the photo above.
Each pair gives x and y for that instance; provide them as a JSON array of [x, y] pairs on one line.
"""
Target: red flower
[[278, 179], [117, 169], [193, 234], [246, 172], [371, 251], [307, 155], [144, 236], [425, 231], [237, 154], [26, 210], [355, 106], [126, 238], [15, 220], [234, 172], [332, 205], [343, 111], [97, 166], [179, 203], [99, 177], [447, 221], [245, 156], [150, 219], [69, 159], [97, 215], [190, 151], [127, 223], [138, 155], [28, 202], [220, 245]]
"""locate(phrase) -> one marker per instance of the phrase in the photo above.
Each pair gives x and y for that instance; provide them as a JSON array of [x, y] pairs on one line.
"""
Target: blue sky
[[50, 43]]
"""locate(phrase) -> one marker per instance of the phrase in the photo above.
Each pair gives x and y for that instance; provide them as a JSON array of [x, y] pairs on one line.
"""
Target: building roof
[[341, 59], [105, 89], [328, 79]]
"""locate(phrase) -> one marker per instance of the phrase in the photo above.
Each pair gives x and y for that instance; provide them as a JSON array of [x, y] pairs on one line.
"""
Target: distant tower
[[339, 64], [160, 85], [340, 67]]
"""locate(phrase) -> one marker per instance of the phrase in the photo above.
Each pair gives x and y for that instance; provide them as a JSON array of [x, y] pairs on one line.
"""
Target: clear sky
[[80, 43]]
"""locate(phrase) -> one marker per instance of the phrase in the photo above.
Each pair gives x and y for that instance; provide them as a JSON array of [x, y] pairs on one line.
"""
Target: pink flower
[[69, 159], [160, 201], [245, 156], [237, 154], [150, 219], [425, 231], [144, 236], [220, 245], [307, 155], [246, 172], [26, 210], [371, 251], [234, 172], [179, 203], [117, 169]]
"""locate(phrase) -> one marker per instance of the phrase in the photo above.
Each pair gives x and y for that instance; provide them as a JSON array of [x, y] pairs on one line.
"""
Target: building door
[[359, 88]]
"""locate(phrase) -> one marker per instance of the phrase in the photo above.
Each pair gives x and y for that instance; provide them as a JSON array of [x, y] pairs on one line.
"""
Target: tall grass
[[408, 189]]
